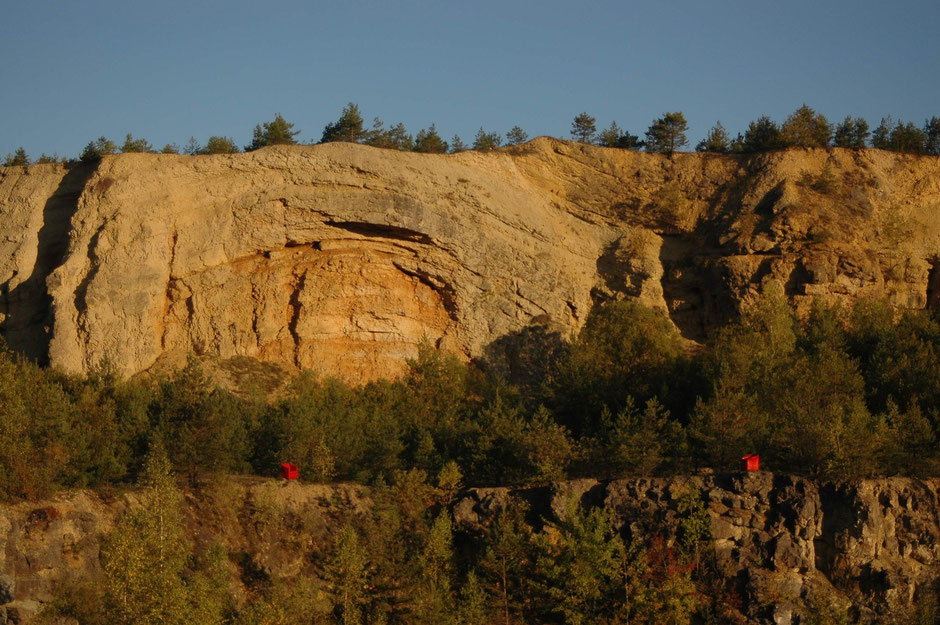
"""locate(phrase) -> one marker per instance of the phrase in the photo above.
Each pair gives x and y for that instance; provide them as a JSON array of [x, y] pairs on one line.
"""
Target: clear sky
[[73, 70]]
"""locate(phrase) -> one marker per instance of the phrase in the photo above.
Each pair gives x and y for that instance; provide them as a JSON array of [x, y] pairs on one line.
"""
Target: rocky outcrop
[[342, 258], [781, 542]]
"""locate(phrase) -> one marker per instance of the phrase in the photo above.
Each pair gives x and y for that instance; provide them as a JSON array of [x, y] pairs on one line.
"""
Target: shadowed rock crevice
[[28, 326]]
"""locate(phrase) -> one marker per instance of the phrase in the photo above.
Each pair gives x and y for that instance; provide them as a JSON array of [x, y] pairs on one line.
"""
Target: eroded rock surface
[[342, 258], [782, 542]]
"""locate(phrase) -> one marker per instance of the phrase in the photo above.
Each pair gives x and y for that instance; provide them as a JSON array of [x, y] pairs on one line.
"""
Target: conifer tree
[[852, 132], [430, 142], [485, 141], [583, 128], [145, 555], [457, 145], [667, 134], [717, 140], [275, 132], [18, 158], [516, 136], [806, 128], [132, 145], [347, 128]]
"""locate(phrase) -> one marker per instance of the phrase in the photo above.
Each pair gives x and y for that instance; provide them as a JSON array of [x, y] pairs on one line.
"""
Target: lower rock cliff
[[870, 546], [341, 258]]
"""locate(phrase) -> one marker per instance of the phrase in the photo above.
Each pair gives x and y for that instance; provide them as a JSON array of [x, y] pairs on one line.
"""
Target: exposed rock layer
[[782, 542], [342, 257]]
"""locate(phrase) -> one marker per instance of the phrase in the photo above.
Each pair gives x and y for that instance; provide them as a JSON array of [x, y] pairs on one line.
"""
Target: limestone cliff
[[342, 257]]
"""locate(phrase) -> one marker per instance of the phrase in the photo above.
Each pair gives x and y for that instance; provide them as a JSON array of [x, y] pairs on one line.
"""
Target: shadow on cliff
[[28, 325]]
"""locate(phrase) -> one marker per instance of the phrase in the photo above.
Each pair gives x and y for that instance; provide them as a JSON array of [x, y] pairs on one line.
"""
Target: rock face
[[784, 541], [781, 541], [342, 258]]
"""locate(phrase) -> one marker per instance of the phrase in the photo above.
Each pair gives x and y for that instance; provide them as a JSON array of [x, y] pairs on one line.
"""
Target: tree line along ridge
[[667, 134]]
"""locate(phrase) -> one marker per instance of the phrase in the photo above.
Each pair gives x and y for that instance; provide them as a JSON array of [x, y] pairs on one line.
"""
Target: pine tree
[[667, 134], [932, 136], [457, 145], [132, 145], [485, 141], [429, 141], [276, 132], [806, 128], [170, 148], [146, 553], [347, 573], [220, 145], [347, 128], [762, 134], [18, 158], [583, 128], [717, 140], [193, 147], [516, 136], [881, 136], [101, 146], [852, 132]]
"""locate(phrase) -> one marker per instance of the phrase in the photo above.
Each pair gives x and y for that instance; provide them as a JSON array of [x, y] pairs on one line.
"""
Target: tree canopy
[[667, 134], [806, 128], [347, 128], [583, 128], [275, 132], [430, 142]]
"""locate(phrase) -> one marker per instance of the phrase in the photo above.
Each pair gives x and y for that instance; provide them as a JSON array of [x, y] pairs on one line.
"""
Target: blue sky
[[73, 70]]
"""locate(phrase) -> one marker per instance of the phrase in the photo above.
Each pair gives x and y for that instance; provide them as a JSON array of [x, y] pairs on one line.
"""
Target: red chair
[[751, 462], [288, 471]]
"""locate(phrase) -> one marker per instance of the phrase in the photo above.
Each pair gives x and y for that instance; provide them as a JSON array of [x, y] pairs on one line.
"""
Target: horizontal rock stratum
[[341, 258]]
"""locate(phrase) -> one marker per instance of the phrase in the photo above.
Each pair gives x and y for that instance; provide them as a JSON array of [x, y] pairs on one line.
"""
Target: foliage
[[484, 141], [761, 134], [852, 132], [132, 145], [667, 134], [456, 145], [101, 146], [393, 138], [717, 140], [19, 158], [347, 128], [806, 128], [583, 128], [516, 136], [430, 142], [278, 131], [220, 145], [170, 148], [145, 555], [932, 136], [615, 137]]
